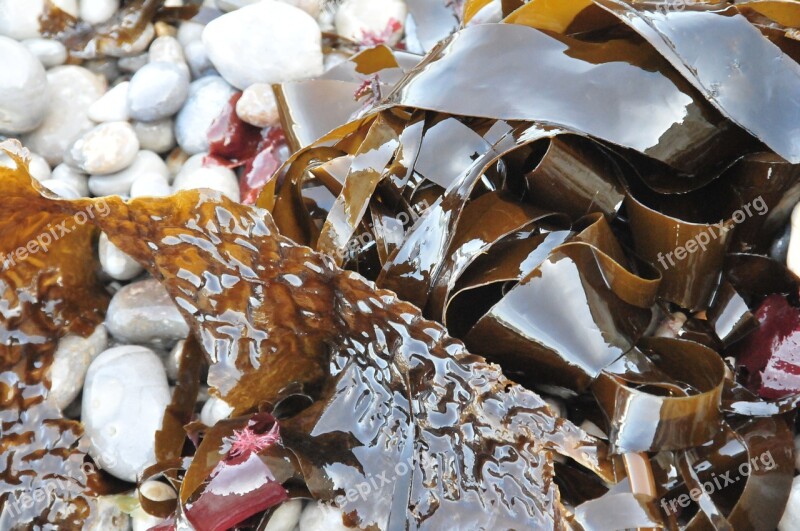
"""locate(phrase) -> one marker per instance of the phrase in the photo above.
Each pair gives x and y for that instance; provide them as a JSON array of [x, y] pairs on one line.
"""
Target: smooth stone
[[116, 263], [214, 410], [71, 361], [61, 189], [127, 49], [258, 106], [312, 7], [780, 247], [107, 148], [19, 19], [177, 159], [106, 67], [791, 515], [143, 313], [134, 63], [238, 43], [38, 167], [190, 31], [317, 516], [155, 491], [793, 253], [23, 89], [216, 178], [71, 91], [189, 165], [156, 136], [157, 91], [124, 399], [145, 162], [112, 106], [50, 52], [286, 516], [198, 61], [166, 50], [77, 180], [172, 362], [356, 19], [150, 185], [98, 11], [207, 99]]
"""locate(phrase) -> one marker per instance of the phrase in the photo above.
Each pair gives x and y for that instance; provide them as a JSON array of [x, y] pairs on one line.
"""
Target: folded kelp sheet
[[577, 202]]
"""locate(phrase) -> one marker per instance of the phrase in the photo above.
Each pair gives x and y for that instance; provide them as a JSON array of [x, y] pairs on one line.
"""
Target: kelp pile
[[582, 197]]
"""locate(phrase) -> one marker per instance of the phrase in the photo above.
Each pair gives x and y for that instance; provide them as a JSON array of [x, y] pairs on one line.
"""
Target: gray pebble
[[157, 91], [134, 63], [156, 136], [143, 313], [207, 98], [70, 363]]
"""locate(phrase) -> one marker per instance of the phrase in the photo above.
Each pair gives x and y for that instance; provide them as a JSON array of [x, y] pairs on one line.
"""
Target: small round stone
[[258, 106], [362, 20], [107, 148], [238, 42], [98, 11], [133, 63], [71, 91], [286, 516], [50, 52], [39, 168], [214, 410], [190, 31], [112, 106], [116, 263], [143, 313], [61, 189], [215, 178], [208, 96], [155, 136], [23, 89], [198, 60], [155, 491], [150, 185], [120, 183], [77, 180], [157, 91], [166, 50], [19, 19], [317, 516], [70, 363], [124, 399]]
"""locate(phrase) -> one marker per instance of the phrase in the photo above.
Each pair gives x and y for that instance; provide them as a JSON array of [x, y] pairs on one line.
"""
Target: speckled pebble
[[107, 148]]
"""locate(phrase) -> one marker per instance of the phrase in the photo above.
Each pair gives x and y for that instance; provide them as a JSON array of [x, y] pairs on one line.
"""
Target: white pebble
[[98, 11], [286, 516], [71, 91], [19, 19], [23, 88], [124, 399], [198, 60], [214, 410], [258, 106], [238, 43], [145, 162], [166, 49], [312, 7], [50, 52], [38, 167], [143, 313], [357, 19], [157, 91], [173, 361], [134, 63], [150, 185], [77, 180], [320, 517], [107, 148], [155, 136], [208, 96], [112, 106], [116, 263], [216, 178], [70, 363], [190, 31], [60, 188]]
